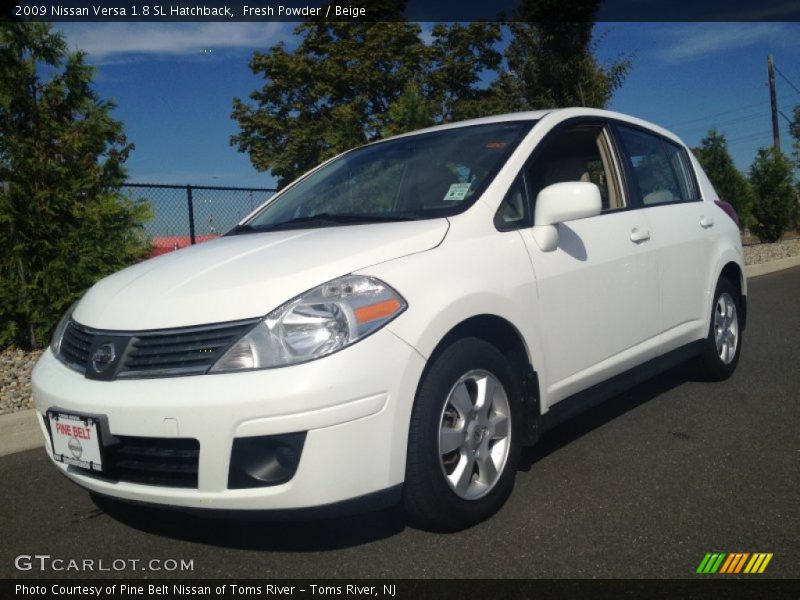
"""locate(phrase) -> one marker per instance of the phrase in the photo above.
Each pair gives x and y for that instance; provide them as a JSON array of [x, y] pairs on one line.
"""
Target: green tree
[[331, 94], [351, 83], [63, 224], [775, 206], [794, 131], [411, 110], [448, 86], [457, 58], [728, 181], [551, 63]]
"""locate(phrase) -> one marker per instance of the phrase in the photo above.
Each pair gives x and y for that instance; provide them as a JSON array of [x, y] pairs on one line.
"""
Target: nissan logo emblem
[[75, 447], [103, 357]]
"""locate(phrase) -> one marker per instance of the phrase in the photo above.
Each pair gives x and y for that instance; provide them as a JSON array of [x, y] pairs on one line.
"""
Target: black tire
[[713, 367], [429, 500]]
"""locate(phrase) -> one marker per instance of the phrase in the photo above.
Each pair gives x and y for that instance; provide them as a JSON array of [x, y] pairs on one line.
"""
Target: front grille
[[153, 461], [161, 353], [75, 346], [181, 352]]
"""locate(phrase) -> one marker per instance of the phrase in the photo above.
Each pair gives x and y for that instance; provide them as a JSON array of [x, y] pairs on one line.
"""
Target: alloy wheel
[[474, 434], [726, 328]]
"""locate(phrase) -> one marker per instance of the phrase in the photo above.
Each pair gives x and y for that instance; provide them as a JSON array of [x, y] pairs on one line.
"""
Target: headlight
[[320, 322], [58, 333]]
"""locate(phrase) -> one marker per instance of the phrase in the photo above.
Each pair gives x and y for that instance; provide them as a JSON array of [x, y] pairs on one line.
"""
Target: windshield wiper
[[325, 220]]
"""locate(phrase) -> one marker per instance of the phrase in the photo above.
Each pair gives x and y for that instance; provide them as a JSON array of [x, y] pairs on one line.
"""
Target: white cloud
[[689, 42], [105, 40]]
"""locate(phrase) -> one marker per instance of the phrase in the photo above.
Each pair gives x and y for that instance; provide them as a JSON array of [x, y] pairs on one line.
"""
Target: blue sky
[[174, 82]]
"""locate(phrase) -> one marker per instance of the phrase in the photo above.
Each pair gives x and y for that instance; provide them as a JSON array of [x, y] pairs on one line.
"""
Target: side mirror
[[559, 203]]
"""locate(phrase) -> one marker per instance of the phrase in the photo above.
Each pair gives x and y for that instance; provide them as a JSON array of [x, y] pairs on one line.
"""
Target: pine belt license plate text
[[76, 440]]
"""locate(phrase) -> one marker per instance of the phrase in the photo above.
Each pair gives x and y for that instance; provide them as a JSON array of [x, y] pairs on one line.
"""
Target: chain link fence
[[190, 214]]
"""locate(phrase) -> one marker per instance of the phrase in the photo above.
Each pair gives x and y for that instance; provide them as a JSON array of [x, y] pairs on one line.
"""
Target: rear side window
[[659, 168]]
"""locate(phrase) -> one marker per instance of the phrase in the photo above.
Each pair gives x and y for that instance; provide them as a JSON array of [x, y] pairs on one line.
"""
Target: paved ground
[[642, 486]]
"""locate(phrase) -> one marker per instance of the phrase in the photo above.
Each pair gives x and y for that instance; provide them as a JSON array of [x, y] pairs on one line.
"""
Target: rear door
[[682, 227]]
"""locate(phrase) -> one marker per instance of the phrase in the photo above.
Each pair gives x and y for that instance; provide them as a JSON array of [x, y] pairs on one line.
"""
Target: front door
[[598, 290]]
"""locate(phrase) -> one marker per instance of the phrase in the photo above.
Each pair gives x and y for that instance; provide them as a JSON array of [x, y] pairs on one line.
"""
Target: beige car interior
[[581, 153]]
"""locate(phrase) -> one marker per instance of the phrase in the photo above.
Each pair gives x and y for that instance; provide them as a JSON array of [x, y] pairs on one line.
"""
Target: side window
[[658, 167], [579, 153], [513, 212]]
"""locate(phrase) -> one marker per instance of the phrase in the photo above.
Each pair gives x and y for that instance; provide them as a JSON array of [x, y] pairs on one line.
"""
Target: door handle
[[706, 222], [639, 235]]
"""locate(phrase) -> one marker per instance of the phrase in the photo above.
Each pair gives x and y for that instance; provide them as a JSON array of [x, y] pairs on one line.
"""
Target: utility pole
[[776, 135]]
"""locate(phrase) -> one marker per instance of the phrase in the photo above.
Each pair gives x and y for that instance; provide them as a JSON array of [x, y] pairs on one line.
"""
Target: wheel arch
[[734, 273], [504, 336]]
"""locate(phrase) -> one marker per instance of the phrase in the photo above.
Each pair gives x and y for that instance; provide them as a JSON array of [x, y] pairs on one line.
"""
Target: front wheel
[[463, 446], [724, 342]]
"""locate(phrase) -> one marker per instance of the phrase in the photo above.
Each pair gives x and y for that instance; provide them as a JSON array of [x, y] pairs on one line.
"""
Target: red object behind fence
[[169, 243]]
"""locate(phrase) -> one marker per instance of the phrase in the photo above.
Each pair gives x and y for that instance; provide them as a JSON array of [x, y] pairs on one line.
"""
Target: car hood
[[245, 276]]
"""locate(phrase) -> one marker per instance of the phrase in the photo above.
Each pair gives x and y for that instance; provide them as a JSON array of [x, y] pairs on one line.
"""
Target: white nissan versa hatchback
[[398, 322]]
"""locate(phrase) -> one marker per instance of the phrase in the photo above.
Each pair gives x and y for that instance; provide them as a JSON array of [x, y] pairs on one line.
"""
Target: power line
[[786, 79], [711, 123], [729, 111], [750, 137], [719, 114]]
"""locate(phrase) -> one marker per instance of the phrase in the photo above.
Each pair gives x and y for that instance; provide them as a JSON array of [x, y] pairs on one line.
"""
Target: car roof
[[535, 115]]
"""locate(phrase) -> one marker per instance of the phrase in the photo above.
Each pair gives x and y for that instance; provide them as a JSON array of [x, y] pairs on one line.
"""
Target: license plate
[[76, 440]]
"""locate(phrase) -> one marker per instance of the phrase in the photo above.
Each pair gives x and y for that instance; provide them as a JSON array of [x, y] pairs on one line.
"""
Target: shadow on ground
[[309, 535], [606, 411]]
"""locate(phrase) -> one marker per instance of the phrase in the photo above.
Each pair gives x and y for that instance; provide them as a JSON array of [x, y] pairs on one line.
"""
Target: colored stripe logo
[[734, 563]]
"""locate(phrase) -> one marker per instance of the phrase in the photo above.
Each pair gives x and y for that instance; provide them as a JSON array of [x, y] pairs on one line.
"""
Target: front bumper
[[354, 406]]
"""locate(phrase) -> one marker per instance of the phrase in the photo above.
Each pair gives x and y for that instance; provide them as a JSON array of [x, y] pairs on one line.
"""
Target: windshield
[[417, 177]]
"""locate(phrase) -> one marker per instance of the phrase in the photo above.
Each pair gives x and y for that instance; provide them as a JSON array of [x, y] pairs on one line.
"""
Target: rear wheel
[[463, 445], [724, 342]]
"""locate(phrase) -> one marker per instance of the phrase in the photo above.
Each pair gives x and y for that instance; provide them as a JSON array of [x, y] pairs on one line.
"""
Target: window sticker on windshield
[[457, 191], [496, 145]]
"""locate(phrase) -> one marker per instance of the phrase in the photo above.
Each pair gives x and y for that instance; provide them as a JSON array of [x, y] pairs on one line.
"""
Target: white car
[[397, 323]]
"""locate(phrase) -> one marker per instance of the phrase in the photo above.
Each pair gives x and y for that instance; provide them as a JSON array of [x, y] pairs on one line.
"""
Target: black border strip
[[700, 586], [411, 10]]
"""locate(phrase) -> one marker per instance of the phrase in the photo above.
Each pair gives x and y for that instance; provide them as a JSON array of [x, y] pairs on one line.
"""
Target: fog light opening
[[265, 460]]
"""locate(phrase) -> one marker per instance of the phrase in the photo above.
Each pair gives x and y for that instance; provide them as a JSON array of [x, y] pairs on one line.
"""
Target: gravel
[[16, 365], [15, 379], [760, 253]]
